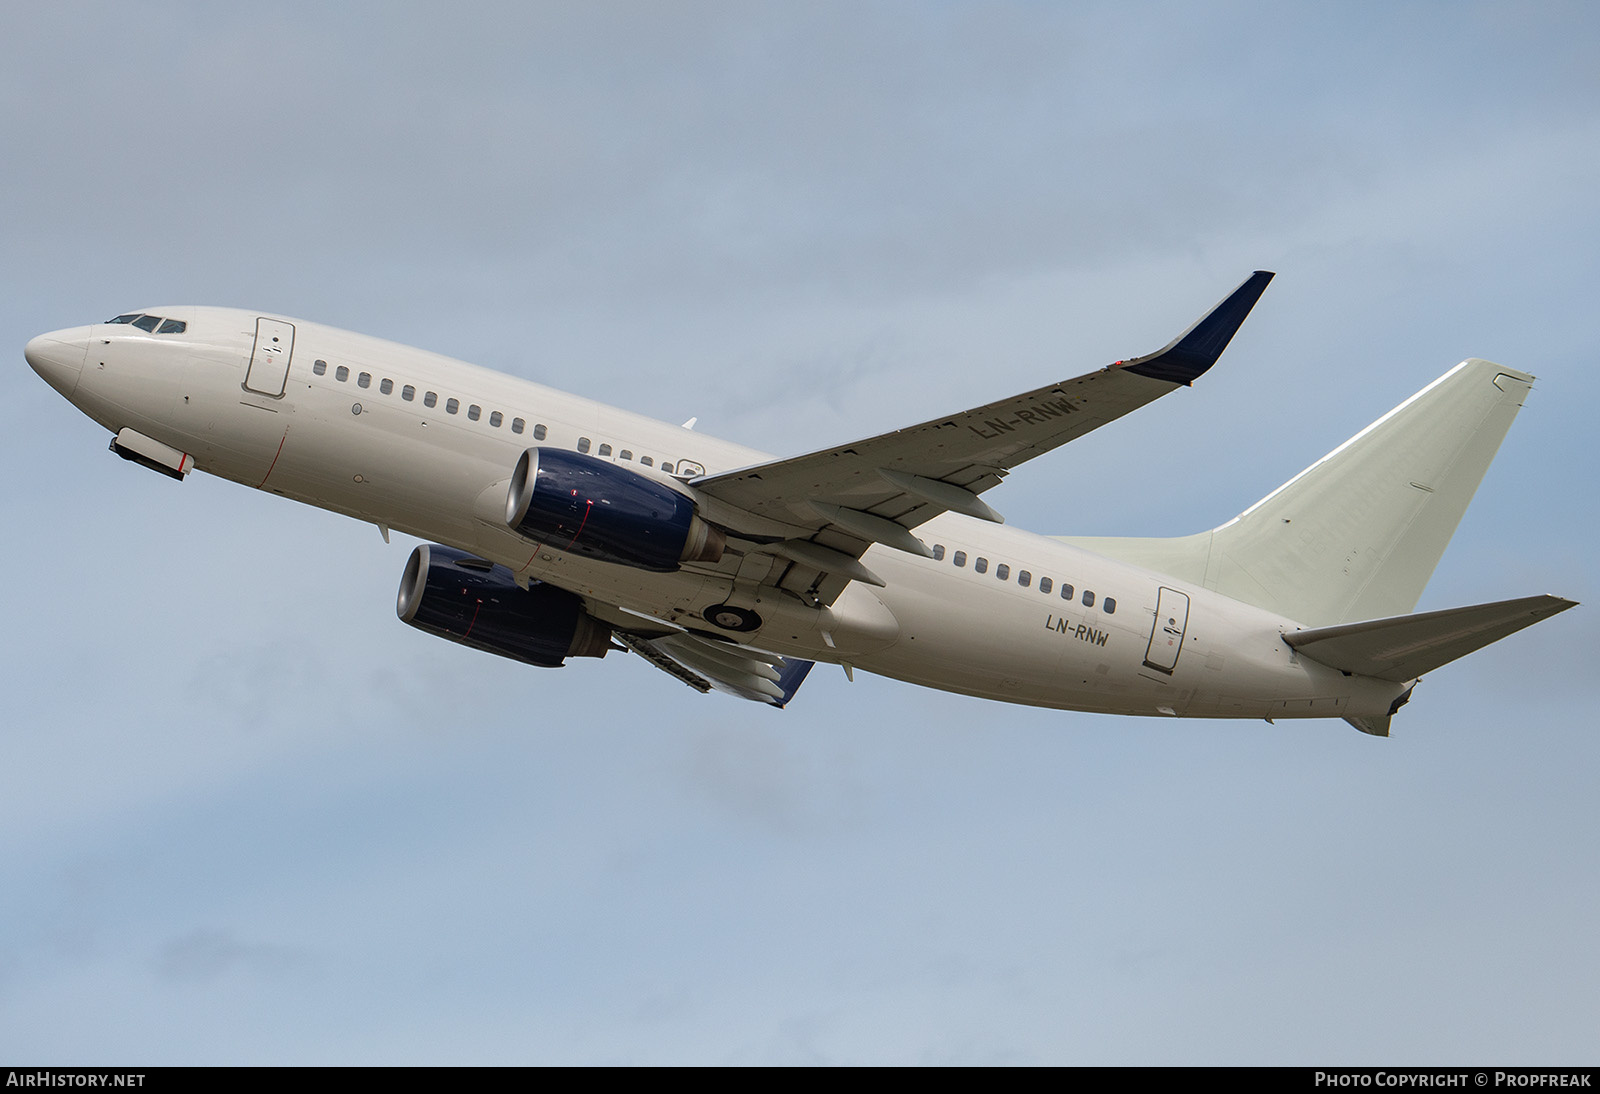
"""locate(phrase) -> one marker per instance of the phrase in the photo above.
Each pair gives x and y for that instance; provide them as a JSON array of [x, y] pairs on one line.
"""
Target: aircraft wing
[[703, 664], [877, 489]]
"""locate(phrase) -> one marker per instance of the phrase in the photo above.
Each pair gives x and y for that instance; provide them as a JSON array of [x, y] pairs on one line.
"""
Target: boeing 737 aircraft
[[563, 527]]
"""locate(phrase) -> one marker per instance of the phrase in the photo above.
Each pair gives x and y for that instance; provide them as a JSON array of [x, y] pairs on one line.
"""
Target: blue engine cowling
[[469, 600], [592, 507]]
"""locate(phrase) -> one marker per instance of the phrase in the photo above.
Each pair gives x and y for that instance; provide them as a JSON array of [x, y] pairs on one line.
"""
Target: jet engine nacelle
[[477, 603], [592, 507]]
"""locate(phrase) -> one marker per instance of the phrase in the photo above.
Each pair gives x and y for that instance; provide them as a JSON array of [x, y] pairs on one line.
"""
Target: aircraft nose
[[58, 357]]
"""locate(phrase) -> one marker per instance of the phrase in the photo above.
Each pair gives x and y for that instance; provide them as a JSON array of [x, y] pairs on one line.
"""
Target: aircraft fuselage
[[424, 444]]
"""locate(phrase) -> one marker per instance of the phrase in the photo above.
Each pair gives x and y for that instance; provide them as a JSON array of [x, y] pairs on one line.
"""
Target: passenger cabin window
[[474, 412], [539, 433], [342, 373], [1044, 584], [667, 467], [1024, 578], [430, 399], [364, 380], [1109, 604], [1003, 572], [605, 450], [495, 418], [980, 565], [387, 386], [408, 393], [625, 454], [647, 461], [517, 424], [1066, 592], [583, 444], [959, 558], [452, 405], [1088, 599], [320, 368], [938, 552]]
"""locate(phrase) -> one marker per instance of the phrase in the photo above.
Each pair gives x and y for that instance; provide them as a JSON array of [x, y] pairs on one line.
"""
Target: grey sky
[[246, 816]]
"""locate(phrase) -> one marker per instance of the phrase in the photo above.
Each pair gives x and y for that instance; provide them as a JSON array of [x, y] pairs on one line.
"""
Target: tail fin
[[1357, 534]]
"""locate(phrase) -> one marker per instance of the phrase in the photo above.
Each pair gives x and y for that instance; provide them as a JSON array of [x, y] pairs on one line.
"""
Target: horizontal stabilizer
[[1405, 647]]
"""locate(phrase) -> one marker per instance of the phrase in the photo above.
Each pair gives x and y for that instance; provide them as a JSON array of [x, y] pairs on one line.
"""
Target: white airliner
[[567, 528]]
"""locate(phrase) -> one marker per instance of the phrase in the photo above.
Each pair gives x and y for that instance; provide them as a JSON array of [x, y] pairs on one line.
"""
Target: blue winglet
[[790, 679], [1197, 349]]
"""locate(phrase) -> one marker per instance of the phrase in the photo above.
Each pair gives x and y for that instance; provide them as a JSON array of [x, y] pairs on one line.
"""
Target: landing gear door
[[269, 361], [1166, 637]]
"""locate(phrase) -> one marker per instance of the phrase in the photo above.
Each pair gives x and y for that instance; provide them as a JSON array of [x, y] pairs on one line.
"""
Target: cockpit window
[[152, 323]]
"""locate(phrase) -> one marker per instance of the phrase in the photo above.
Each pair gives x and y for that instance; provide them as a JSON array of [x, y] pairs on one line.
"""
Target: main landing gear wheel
[[730, 618]]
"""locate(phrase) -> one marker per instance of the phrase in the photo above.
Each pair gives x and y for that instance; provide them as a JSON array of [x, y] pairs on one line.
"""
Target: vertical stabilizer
[[1357, 534]]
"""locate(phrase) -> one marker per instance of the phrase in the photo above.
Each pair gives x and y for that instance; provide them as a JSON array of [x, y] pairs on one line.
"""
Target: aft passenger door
[[269, 360], [1166, 637]]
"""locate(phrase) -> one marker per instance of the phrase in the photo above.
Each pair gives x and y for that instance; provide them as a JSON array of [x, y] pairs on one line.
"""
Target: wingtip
[[1194, 351], [789, 680]]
